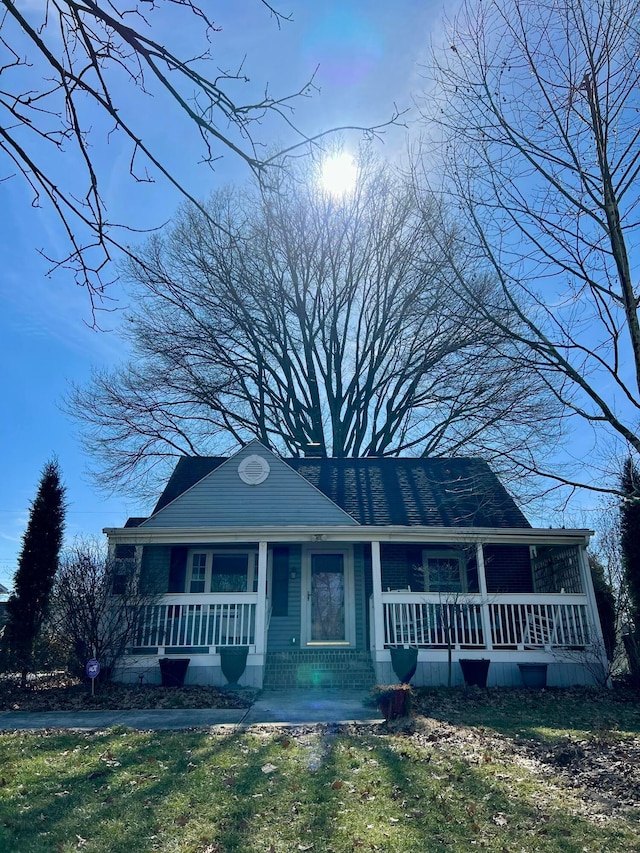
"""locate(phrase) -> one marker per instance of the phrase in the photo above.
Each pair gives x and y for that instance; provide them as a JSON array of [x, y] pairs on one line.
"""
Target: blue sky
[[369, 54]]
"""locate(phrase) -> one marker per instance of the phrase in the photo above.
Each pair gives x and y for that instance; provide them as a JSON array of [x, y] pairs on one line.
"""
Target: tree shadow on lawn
[[320, 788]]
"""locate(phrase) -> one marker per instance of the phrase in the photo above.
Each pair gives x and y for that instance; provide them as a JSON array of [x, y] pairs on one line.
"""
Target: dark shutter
[[178, 570], [280, 582]]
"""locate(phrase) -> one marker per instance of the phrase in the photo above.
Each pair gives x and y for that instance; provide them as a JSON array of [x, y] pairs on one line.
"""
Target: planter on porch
[[534, 675], [475, 671], [173, 671], [404, 661], [233, 661]]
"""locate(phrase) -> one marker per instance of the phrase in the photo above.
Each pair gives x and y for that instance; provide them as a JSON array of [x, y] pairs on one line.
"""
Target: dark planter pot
[[534, 675], [475, 671], [395, 704], [233, 661], [173, 671], [404, 663]]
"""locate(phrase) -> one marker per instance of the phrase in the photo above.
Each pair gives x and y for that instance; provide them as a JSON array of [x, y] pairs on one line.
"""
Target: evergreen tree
[[29, 602], [630, 546]]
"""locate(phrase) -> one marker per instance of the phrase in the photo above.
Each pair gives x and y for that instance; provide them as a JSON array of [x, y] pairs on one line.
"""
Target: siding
[[222, 499], [282, 629], [508, 568], [401, 566], [154, 569]]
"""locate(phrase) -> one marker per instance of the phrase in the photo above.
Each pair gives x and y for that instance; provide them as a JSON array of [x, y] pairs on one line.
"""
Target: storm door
[[328, 599]]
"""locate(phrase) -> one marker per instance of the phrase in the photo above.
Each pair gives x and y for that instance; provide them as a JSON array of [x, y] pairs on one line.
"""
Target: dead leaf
[[268, 768], [337, 785], [500, 820], [182, 820]]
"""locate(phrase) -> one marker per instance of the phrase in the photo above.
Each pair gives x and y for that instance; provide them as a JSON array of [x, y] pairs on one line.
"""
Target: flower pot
[[233, 661], [534, 675], [404, 663], [475, 671], [173, 671], [394, 702]]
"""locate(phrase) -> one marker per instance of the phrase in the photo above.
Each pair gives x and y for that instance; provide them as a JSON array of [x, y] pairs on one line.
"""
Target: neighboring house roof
[[457, 492]]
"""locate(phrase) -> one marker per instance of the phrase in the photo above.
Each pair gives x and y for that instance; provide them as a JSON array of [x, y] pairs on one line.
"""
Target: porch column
[[378, 609], [597, 640], [261, 605], [484, 606]]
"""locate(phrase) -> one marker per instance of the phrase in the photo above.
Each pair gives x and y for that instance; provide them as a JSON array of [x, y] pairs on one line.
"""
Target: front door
[[329, 598]]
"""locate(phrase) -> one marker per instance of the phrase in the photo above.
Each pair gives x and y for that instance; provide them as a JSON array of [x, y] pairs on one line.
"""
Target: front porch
[[313, 612]]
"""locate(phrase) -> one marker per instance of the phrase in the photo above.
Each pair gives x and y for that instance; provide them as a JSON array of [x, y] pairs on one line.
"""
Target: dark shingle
[[458, 492]]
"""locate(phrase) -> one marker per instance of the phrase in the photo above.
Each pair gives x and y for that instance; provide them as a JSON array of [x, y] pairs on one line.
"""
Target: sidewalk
[[288, 707]]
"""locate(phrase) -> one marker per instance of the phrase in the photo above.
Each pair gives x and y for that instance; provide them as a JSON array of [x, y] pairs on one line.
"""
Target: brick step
[[319, 668]]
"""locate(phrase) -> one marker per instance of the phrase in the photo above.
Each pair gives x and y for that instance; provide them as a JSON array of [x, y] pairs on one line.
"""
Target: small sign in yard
[[93, 670]]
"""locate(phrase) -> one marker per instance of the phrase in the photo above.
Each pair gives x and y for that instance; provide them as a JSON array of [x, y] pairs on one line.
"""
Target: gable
[[222, 498]]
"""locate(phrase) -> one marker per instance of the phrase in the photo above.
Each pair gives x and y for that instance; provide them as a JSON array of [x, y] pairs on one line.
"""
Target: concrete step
[[319, 668]]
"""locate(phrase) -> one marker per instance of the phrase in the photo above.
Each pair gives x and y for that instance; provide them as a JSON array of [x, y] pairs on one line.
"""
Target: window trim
[[252, 568], [449, 555]]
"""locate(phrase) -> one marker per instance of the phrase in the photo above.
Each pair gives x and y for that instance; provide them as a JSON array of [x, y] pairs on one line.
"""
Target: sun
[[338, 174]]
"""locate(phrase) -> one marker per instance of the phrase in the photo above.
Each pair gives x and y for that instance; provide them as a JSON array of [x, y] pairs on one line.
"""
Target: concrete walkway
[[289, 707]]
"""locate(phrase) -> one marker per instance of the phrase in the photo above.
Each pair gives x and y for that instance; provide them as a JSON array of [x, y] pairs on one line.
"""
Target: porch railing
[[188, 621], [508, 621]]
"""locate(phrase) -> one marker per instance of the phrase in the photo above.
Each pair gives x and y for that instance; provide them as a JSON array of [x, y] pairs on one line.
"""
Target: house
[[321, 566]]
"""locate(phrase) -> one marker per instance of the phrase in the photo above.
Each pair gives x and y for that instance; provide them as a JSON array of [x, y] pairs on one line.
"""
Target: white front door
[[327, 598]]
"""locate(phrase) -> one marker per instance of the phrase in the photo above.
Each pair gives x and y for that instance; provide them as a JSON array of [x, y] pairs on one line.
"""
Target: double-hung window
[[444, 571], [222, 571]]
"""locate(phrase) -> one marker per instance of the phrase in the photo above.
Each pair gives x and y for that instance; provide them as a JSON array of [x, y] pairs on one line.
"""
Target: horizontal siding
[[282, 629], [508, 568], [221, 499], [402, 566], [154, 569]]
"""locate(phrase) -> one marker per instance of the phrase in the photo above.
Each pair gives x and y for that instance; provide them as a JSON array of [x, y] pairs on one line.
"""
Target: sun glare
[[338, 174]]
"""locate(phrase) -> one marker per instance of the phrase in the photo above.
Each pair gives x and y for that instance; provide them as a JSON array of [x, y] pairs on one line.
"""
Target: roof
[[456, 492]]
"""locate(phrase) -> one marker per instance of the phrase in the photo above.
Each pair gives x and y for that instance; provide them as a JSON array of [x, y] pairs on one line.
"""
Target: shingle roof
[[457, 492]]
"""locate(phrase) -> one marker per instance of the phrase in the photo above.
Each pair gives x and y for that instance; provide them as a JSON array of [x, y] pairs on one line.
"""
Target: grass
[[462, 779]]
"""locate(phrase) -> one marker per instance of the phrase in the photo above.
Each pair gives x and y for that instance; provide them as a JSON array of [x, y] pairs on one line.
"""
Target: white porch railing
[[196, 621], [500, 621]]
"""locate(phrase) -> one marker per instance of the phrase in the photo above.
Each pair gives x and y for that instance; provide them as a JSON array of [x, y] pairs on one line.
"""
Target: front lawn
[[485, 771]]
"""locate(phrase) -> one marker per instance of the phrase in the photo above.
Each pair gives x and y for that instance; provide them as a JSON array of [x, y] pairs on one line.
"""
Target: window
[[198, 572], [444, 571], [222, 571], [124, 566]]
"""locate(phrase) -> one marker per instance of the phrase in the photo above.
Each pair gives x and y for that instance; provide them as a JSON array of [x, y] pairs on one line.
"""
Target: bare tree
[[538, 106], [308, 320], [75, 74], [97, 604]]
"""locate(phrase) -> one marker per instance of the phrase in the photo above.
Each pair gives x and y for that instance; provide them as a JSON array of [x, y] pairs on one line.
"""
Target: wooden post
[[378, 609], [484, 606], [261, 604]]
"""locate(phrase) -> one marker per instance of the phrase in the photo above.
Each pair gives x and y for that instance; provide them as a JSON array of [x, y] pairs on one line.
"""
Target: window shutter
[[178, 570]]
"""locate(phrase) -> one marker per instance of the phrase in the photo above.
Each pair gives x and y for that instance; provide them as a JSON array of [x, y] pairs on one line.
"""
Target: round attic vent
[[253, 470]]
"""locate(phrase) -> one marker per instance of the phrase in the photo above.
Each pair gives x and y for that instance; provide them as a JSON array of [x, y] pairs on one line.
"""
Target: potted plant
[[475, 671], [233, 661], [393, 700], [404, 660]]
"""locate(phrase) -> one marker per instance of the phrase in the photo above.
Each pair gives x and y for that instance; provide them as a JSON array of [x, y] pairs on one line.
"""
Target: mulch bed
[[61, 693]]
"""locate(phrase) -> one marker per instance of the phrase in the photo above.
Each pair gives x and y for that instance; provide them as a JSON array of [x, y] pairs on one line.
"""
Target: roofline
[[348, 533], [231, 458]]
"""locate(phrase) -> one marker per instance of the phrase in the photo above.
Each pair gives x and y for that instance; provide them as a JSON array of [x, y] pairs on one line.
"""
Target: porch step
[[319, 668]]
